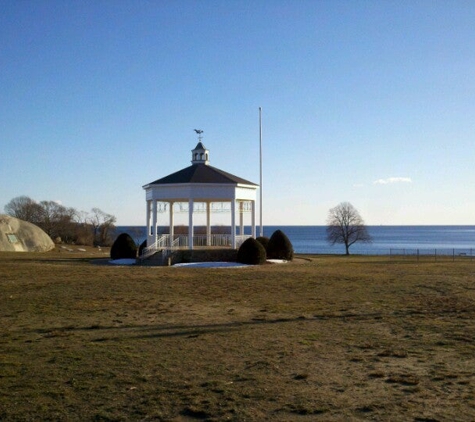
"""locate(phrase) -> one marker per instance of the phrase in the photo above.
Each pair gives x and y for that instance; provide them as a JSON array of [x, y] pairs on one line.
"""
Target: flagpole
[[261, 228]]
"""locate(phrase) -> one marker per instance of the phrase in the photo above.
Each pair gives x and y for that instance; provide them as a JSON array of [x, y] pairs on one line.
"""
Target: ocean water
[[386, 239]]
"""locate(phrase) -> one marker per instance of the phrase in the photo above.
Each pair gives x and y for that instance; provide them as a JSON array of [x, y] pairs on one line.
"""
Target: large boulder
[[20, 236]]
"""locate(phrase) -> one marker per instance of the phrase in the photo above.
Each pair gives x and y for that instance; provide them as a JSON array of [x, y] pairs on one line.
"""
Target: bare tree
[[58, 221], [84, 235], [24, 208], [102, 225], [345, 225]]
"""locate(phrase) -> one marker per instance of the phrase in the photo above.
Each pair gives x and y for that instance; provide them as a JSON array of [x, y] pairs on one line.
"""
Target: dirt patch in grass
[[331, 339]]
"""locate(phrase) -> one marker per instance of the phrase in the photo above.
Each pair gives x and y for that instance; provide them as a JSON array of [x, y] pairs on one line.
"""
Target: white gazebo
[[199, 188]]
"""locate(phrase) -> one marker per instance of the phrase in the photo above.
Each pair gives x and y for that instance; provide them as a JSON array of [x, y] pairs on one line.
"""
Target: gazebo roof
[[201, 173]]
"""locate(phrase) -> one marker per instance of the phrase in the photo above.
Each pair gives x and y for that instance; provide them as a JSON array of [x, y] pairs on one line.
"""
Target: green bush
[[124, 247], [279, 247], [264, 241], [251, 252]]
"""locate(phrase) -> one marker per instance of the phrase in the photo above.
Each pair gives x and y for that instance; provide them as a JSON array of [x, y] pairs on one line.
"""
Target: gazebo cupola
[[200, 155]]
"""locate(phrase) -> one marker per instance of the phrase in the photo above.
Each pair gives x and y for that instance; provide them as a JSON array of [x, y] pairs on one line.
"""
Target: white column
[[233, 224], [190, 223], [171, 231], [154, 221], [148, 221], [241, 218], [208, 223], [253, 216]]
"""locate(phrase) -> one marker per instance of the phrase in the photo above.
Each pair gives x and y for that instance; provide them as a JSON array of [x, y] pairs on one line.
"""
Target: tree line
[[64, 224]]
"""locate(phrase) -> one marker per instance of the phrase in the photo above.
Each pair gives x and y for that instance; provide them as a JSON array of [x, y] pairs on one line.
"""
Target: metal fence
[[442, 254]]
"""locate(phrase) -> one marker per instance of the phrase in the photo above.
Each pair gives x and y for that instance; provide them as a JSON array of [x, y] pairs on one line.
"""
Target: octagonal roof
[[201, 173]]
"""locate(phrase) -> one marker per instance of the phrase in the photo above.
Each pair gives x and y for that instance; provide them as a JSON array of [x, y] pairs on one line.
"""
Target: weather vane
[[199, 132]]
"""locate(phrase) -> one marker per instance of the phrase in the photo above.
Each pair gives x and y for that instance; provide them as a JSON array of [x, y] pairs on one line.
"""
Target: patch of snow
[[212, 265], [124, 261], [277, 261], [81, 250]]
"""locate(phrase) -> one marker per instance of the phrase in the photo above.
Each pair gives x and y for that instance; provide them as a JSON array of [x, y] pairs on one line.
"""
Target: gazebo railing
[[216, 240], [213, 240]]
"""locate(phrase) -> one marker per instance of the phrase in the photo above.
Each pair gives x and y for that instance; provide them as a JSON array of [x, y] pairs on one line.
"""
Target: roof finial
[[199, 132]]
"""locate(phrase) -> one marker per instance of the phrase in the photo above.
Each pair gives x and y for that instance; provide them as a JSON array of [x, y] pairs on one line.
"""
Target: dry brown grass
[[331, 339]]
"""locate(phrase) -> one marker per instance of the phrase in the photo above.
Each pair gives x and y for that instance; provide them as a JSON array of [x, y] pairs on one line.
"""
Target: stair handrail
[[160, 243]]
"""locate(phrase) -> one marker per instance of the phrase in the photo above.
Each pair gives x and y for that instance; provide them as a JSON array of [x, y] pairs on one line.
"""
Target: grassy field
[[325, 338]]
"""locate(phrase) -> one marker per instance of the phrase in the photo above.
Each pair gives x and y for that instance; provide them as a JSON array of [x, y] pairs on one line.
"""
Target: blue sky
[[371, 102]]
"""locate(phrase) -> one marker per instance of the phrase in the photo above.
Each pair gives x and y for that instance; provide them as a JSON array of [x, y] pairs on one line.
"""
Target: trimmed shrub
[[279, 247], [251, 252], [142, 246], [124, 247], [264, 241]]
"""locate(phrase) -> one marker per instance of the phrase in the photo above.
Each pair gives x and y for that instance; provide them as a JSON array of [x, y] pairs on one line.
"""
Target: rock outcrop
[[20, 236]]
